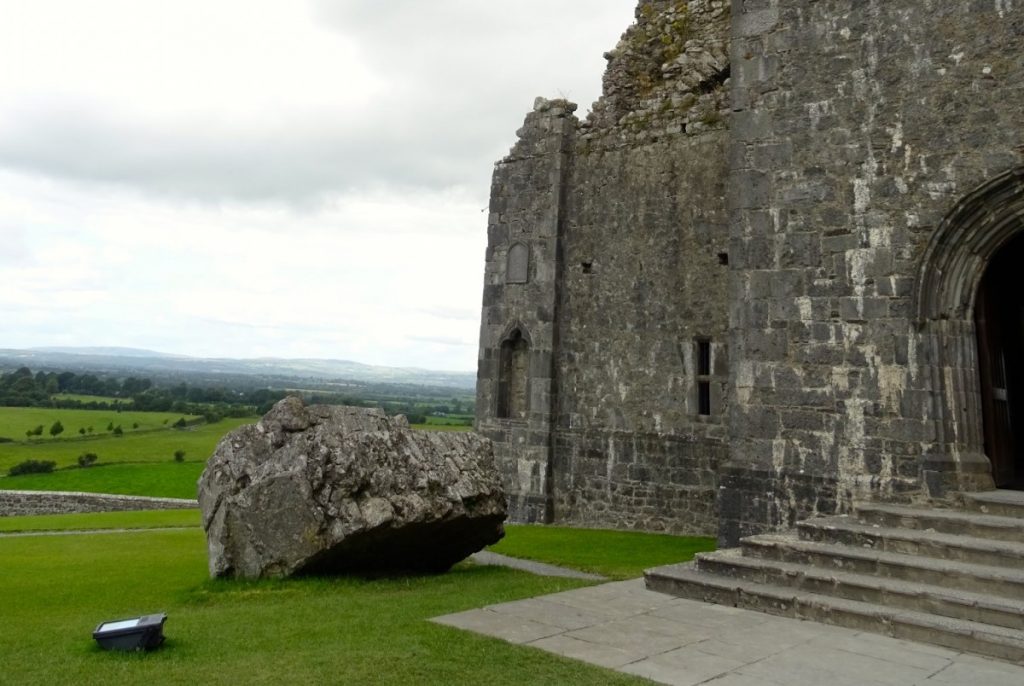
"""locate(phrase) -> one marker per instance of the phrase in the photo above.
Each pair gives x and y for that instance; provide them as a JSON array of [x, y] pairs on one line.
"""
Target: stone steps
[[973, 578], [897, 593], [998, 503], [956, 522], [956, 634], [848, 531], [951, 577]]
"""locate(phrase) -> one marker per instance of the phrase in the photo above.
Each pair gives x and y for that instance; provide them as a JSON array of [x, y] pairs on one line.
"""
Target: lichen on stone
[[667, 74]]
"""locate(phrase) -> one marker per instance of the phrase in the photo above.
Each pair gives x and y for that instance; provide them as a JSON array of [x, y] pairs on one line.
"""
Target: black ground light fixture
[[137, 633]]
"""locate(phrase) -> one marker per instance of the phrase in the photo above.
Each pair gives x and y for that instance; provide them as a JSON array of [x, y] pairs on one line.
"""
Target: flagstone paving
[[625, 627]]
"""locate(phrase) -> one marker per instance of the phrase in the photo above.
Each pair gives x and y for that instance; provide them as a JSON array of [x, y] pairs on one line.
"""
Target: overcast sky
[[288, 178]]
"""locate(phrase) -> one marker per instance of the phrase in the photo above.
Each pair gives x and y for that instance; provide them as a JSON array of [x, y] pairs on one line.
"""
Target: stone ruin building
[[773, 274]]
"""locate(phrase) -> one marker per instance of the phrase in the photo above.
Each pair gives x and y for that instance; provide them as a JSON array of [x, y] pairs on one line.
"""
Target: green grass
[[614, 554], [440, 427], [144, 519], [15, 421], [306, 631], [451, 420], [163, 480], [150, 446]]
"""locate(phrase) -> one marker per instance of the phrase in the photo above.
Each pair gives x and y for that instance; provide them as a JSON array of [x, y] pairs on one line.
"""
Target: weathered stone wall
[[626, 220], [14, 503], [857, 126], [811, 188], [519, 304], [636, 480]]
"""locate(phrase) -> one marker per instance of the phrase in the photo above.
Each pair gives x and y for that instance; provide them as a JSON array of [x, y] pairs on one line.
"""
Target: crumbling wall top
[[669, 72]]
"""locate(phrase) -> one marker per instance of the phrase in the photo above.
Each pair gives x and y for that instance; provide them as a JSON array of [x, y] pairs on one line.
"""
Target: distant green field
[[166, 480], [92, 398], [149, 446], [137, 463], [440, 427], [15, 421], [451, 420], [96, 521]]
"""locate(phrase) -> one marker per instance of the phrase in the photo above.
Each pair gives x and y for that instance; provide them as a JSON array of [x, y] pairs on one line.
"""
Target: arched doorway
[[965, 294], [999, 320]]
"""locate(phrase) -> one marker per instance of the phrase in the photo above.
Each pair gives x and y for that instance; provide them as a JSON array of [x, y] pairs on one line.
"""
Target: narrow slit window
[[703, 358], [704, 377], [704, 398]]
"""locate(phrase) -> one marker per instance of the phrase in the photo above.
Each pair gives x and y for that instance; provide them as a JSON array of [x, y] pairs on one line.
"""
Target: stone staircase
[[950, 577]]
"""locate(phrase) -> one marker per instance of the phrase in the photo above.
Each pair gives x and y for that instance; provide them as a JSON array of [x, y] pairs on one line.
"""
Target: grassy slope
[[615, 554], [135, 464], [165, 480], [57, 589], [15, 421], [145, 519], [153, 446]]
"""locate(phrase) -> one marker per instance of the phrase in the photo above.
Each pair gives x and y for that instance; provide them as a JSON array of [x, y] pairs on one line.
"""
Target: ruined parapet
[[669, 74]]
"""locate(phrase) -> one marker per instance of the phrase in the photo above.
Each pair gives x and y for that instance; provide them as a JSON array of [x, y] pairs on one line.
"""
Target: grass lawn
[[150, 446], [145, 519], [306, 631], [15, 421], [163, 480], [614, 554]]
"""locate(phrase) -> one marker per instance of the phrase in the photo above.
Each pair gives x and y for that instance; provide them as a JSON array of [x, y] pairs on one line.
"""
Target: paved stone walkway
[[625, 627], [486, 557]]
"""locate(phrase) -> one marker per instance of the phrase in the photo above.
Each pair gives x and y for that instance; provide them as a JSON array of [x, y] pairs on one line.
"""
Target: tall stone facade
[[743, 290]]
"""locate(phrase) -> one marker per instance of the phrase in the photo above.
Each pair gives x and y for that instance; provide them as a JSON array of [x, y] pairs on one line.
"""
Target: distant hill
[[151, 363], [107, 352]]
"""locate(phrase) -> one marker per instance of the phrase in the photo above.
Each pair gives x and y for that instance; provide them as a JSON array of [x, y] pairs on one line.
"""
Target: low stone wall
[[13, 503]]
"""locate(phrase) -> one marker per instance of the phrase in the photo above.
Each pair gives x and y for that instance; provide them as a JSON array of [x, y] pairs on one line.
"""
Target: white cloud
[[268, 177]]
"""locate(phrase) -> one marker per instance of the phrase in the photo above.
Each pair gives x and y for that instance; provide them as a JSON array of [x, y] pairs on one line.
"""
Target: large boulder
[[322, 490]]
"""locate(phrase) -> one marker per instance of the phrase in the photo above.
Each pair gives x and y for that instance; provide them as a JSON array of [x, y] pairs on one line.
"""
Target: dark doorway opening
[[999, 316]]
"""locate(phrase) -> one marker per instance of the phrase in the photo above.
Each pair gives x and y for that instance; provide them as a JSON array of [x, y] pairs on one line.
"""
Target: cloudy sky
[[290, 178]]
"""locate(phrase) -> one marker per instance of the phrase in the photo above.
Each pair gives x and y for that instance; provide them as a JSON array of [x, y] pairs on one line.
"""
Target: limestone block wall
[[517, 336], [857, 127], [644, 282], [14, 503], [636, 480], [629, 427]]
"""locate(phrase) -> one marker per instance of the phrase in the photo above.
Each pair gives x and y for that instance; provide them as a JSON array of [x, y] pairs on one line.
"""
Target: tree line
[[23, 388]]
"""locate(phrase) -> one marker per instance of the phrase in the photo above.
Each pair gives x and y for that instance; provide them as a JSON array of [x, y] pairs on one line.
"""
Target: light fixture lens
[[136, 633]]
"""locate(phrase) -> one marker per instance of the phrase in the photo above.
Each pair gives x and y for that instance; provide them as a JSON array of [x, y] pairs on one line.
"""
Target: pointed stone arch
[[964, 244], [946, 288]]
